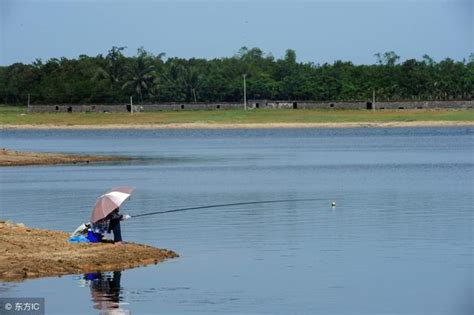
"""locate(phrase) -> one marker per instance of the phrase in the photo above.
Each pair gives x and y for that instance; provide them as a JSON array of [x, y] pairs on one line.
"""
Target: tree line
[[113, 77]]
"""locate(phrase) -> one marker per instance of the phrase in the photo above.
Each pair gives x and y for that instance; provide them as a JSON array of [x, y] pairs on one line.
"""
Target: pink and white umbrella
[[110, 201]]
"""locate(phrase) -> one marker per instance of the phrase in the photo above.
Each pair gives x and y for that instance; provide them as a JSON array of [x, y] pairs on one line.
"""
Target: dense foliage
[[113, 78]]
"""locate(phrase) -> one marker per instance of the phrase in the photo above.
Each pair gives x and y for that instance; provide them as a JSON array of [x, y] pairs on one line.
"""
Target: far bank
[[17, 118], [20, 158]]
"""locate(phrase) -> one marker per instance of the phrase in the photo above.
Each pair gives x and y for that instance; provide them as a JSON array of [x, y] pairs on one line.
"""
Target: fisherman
[[111, 223]]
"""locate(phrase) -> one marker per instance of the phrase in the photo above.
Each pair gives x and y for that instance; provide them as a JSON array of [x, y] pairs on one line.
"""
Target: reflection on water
[[106, 292]]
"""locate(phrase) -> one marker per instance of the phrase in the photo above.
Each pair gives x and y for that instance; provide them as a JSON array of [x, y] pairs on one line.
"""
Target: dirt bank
[[264, 125], [32, 253], [16, 158]]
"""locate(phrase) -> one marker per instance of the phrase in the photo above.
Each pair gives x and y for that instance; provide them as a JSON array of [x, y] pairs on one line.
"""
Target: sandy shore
[[17, 158], [32, 253], [210, 125]]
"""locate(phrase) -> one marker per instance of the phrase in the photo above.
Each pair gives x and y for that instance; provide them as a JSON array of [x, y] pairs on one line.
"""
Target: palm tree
[[192, 79], [141, 75], [114, 68]]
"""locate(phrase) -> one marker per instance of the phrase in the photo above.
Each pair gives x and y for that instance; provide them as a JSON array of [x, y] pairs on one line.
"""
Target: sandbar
[[33, 253]]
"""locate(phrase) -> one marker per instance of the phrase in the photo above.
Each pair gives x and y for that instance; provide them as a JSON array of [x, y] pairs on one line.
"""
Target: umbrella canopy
[[110, 201]]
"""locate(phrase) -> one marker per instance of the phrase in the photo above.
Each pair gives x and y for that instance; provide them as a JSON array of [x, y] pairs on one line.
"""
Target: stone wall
[[189, 106], [425, 104], [252, 104], [359, 105], [65, 108], [68, 108]]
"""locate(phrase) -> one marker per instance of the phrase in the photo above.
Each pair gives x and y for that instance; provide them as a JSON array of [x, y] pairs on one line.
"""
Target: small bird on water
[[333, 204]]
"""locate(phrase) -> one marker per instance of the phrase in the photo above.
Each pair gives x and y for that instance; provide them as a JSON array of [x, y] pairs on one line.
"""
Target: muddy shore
[[18, 158], [32, 253]]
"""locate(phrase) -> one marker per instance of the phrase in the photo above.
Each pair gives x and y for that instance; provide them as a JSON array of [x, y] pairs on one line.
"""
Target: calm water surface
[[400, 240]]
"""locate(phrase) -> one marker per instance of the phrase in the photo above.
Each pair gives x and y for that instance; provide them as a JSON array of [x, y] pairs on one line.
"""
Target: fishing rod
[[225, 205]]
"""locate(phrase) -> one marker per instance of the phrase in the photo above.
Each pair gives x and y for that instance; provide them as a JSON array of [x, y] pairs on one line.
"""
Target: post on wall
[[373, 99], [245, 92]]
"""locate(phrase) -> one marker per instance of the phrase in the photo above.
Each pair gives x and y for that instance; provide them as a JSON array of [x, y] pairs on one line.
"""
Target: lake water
[[400, 240]]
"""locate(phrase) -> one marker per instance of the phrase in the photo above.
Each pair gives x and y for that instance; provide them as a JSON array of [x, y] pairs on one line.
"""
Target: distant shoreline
[[270, 125], [21, 158]]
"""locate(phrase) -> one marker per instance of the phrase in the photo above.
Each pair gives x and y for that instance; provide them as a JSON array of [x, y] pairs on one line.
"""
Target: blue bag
[[79, 239], [94, 237]]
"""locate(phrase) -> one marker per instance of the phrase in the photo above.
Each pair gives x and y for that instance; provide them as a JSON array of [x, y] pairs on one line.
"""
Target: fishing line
[[225, 205]]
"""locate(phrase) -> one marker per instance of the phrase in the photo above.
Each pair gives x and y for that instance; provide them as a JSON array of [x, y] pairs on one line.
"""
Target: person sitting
[[111, 223]]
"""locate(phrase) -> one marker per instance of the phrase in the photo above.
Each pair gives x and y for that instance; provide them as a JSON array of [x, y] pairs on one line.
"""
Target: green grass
[[17, 116]]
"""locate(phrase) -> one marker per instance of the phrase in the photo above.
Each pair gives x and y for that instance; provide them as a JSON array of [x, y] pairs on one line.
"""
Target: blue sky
[[320, 31]]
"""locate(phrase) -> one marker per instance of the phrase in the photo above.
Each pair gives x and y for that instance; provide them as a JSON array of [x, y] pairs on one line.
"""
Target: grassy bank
[[18, 116]]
